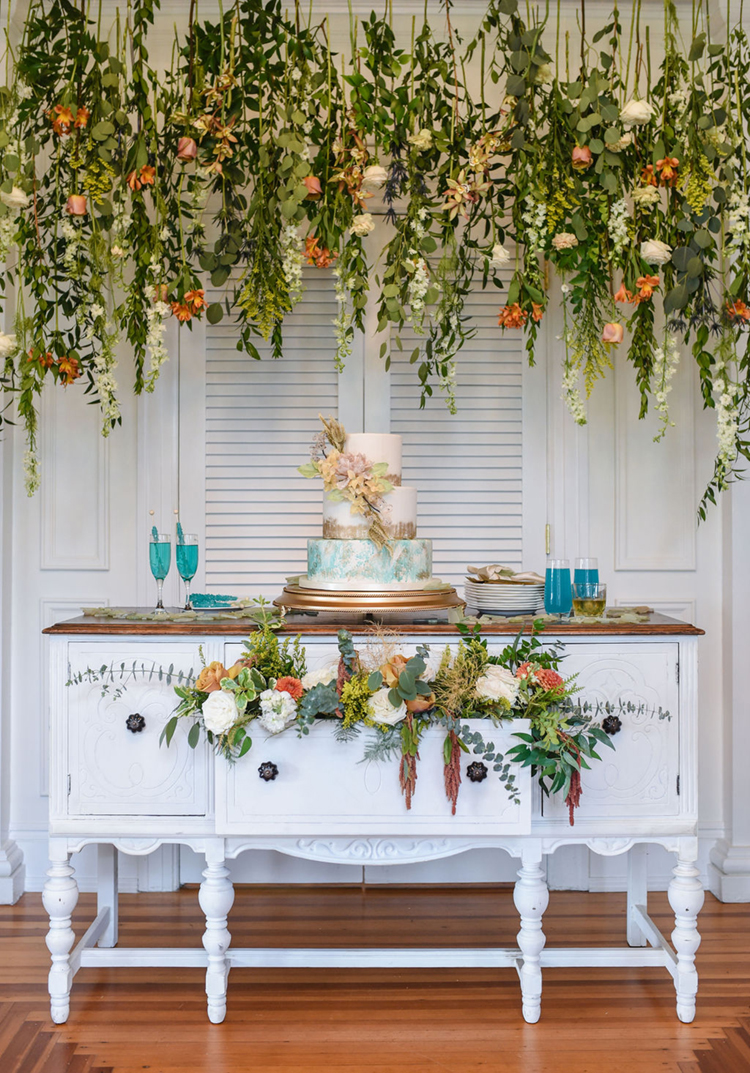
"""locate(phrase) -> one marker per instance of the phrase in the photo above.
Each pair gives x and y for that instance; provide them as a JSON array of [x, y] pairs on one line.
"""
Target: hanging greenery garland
[[123, 191]]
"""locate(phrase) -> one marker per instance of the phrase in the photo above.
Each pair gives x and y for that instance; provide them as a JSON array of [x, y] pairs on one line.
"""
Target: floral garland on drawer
[[395, 699], [125, 192]]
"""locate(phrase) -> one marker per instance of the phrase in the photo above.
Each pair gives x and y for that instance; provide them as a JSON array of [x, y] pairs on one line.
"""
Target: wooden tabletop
[[655, 625]]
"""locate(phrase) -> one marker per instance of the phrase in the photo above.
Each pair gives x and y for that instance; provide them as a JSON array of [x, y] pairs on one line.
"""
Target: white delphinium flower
[[666, 361], [417, 288], [278, 709], [291, 262], [727, 414], [535, 218], [619, 218], [343, 321], [31, 478], [571, 395], [156, 327], [739, 222]]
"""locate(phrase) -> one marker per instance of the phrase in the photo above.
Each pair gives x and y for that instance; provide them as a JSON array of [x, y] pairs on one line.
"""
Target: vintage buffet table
[[113, 785]]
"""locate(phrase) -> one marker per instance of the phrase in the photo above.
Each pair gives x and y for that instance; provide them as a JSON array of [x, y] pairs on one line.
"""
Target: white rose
[[362, 224], [422, 139], [16, 199], [500, 256], [321, 677], [636, 112], [383, 711], [655, 251], [220, 711], [497, 684], [434, 662], [565, 240], [622, 143], [544, 74], [7, 344], [374, 177], [278, 709], [118, 251], [646, 195]]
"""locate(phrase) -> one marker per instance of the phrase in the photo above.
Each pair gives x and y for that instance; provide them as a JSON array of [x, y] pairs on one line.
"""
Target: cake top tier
[[378, 447]]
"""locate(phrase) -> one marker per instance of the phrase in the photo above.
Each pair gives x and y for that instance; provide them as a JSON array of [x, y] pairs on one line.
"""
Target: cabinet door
[[639, 778], [115, 771]]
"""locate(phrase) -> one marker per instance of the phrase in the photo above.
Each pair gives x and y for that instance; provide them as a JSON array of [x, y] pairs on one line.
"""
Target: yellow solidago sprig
[[355, 698]]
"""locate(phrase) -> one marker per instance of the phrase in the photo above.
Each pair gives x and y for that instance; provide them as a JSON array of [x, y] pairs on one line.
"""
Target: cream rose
[[565, 240], [636, 112], [422, 139], [16, 199], [320, 677], [374, 177], [383, 711], [220, 711], [645, 195], [655, 251], [500, 256], [7, 344], [497, 684], [362, 224]]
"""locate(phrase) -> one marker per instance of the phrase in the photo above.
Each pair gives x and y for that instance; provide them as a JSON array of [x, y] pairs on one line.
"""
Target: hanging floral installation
[[126, 193]]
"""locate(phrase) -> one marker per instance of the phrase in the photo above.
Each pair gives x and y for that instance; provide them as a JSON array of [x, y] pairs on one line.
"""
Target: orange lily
[[512, 316], [62, 119], [623, 294], [646, 285], [668, 170], [738, 311], [196, 299], [82, 117], [647, 176], [181, 311], [70, 370], [537, 311]]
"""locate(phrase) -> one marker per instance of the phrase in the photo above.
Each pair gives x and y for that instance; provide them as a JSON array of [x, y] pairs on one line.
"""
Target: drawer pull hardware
[[477, 771], [268, 771], [612, 724], [135, 723]]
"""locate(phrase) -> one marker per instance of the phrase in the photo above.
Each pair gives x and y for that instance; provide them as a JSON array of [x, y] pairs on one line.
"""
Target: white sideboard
[[113, 785]]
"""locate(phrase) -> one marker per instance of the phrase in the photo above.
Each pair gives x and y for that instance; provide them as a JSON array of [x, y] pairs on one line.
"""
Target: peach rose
[[581, 158], [392, 670], [76, 205], [314, 189], [613, 333], [187, 150], [420, 703], [209, 680]]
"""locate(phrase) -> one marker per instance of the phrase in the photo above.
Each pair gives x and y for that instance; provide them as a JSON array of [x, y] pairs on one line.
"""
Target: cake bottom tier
[[360, 565]]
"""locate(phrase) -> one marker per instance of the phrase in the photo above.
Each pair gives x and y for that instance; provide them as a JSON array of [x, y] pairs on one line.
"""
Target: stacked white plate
[[504, 598]]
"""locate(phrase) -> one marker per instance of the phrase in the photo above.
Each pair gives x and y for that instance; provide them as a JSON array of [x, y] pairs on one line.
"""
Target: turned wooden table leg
[[686, 898], [60, 897], [531, 897], [216, 897]]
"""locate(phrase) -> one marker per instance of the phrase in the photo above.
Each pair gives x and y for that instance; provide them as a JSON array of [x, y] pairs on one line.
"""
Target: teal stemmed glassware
[[159, 557], [186, 555]]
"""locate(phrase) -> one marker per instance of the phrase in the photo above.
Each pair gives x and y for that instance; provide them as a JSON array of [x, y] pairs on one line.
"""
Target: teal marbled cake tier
[[359, 565]]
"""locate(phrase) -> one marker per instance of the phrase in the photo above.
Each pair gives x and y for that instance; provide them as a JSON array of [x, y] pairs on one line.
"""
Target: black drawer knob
[[477, 771], [135, 722], [612, 724], [268, 771]]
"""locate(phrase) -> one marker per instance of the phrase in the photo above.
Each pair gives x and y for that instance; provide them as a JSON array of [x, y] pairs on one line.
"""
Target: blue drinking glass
[[558, 593], [159, 557], [186, 557], [586, 576]]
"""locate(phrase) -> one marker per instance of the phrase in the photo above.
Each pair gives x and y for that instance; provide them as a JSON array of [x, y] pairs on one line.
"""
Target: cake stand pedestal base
[[376, 604]]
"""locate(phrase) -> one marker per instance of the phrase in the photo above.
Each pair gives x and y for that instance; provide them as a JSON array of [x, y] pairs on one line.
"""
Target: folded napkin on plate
[[495, 572]]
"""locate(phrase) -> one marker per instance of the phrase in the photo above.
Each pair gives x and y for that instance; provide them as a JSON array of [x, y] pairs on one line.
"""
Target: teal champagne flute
[[186, 556], [159, 557]]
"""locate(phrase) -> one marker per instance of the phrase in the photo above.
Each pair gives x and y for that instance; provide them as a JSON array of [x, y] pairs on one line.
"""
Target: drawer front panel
[[115, 771]]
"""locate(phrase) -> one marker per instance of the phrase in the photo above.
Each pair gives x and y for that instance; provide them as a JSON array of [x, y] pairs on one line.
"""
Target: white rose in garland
[[497, 684], [374, 177], [16, 199], [220, 711], [636, 112], [320, 677], [422, 139], [7, 344], [278, 709], [383, 711], [564, 240], [362, 224], [655, 251], [646, 195], [500, 256]]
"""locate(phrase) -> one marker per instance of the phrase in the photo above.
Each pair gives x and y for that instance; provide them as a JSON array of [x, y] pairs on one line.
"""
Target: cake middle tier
[[399, 517], [359, 565]]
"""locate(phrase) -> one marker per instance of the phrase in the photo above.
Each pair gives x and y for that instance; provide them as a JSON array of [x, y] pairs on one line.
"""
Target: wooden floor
[[375, 1021]]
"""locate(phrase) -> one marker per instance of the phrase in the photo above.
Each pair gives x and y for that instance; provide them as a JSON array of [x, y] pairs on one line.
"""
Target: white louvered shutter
[[468, 467], [260, 419]]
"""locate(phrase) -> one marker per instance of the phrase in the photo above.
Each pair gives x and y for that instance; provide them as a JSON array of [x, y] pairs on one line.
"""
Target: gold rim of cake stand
[[296, 598]]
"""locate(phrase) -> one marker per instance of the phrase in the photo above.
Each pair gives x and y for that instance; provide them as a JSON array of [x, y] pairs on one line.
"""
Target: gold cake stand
[[299, 598]]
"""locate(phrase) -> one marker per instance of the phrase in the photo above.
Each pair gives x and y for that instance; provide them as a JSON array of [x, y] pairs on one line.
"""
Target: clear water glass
[[159, 558], [186, 556], [586, 573], [558, 595]]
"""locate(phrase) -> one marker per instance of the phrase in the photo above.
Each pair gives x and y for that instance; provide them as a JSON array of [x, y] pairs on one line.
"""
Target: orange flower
[[314, 189], [738, 311], [668, 170], [550, 680], [76, 205], [318, 255], [646, 285], [512, 316], [148, 174], [623, 295], [133, 181], [62, 119], [242, 664], [69, 369], [82, 117], [195, 299], [209, 680], [537, 311], [647, 176], [581, 157], [181, 311], [421, 703], [613, 333], [290, 685], [45, 360]]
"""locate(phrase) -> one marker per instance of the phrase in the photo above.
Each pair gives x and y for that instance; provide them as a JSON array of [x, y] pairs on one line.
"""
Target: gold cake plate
[[297, 598]]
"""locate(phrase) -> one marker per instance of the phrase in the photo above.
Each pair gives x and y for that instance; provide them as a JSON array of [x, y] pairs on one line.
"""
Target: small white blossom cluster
[[678, 100], [343, 321], [98, 329], [71, 232], [617, 225], [666, 361], [291, 262], [418, 286], [7, 234], [535, 218], [31, 475], [571, 395], [727, 415], [739, 223], [277, 710], [156, 317], [445, 355]]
